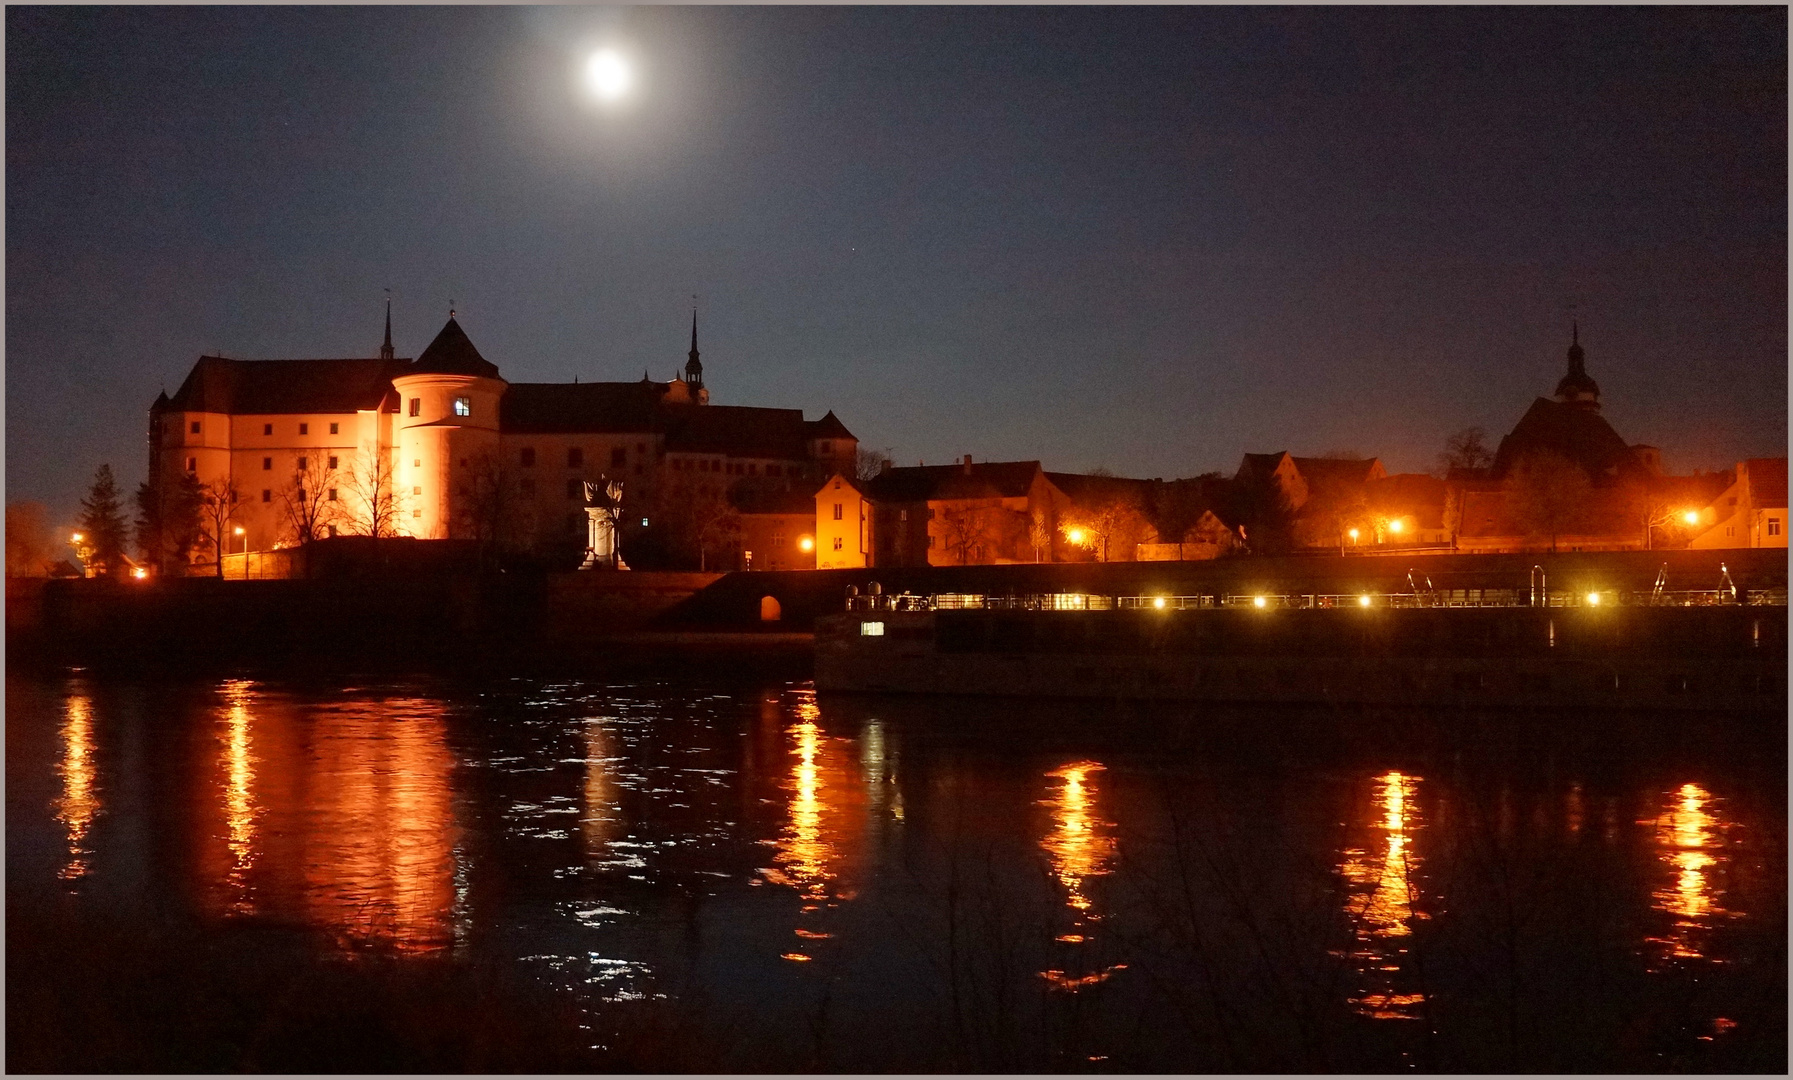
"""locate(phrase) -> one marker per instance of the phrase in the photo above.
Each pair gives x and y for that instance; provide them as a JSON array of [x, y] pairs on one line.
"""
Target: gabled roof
[[829, 427], [1260, 464], [1085, 489], [275, 387], [1767, 481], [738, 430], [571, 408], [982, 480], [452, 353], [1578, 434], [1330, 472]]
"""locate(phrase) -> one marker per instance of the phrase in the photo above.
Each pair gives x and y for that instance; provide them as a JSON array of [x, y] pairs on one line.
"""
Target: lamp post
[[79, 540], [244, 533]]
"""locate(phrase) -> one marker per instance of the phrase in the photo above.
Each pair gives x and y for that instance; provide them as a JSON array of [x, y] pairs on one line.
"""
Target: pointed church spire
[[694, 370], [1576, 388], [386, 347]]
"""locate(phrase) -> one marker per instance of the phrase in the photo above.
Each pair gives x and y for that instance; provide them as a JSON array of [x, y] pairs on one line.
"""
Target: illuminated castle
[[443, 446]]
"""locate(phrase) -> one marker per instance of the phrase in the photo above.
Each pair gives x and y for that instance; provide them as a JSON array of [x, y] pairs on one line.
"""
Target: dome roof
[[452, 353]]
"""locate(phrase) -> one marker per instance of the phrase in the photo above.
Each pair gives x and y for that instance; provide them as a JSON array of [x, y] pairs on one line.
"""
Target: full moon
[[607, 75]]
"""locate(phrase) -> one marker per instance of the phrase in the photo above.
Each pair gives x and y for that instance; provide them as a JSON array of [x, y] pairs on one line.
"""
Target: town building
[[1751, 511], [442, 446]]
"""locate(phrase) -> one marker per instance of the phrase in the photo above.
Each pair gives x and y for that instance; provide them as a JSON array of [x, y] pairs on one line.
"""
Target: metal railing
[[1436, 598]]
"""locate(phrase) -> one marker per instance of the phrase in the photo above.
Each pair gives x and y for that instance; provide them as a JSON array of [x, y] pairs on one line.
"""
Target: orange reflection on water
[[601, 815], [825, 818], [1380, 877], [240, 810], [383, 869], [1689, 840], [1077, 849], [80, 802]]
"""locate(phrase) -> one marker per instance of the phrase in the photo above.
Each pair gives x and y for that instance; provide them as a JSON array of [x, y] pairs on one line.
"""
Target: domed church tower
[[1576, 388], [447, 426]]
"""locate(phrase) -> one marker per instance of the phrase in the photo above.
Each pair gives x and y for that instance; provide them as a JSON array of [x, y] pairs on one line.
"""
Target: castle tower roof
[[452, 353], [1576, 388]]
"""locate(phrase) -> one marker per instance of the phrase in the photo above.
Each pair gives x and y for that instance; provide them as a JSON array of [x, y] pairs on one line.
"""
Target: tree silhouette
[[217, 509], [169, 520], [1548, 495], [102, 523]]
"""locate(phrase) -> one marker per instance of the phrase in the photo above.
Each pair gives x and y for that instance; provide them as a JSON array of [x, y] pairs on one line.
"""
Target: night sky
[[1150, 240]]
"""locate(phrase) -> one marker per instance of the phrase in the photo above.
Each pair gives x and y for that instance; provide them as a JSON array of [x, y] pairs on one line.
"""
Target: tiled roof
[[274, 387], [983, 480], [569, 408], [1327, 472], [829, 427], [737, 430], [1085, 489], [1580, 435], [452, 353], [1767, 481]]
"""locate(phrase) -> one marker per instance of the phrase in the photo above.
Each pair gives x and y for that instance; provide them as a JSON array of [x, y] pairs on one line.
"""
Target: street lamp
[[244, 533], [1692, 517]]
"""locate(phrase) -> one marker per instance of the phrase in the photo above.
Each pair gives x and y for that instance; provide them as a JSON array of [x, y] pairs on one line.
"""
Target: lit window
[[304, 429], [267, 429], [837, 543], [335, 430], [902, 515], [416, 406], [871, 629], [463, 406], [837, 511], [267, 463], [195, 427]]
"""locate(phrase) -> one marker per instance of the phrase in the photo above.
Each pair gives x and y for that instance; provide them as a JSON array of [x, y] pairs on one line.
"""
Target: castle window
[[837, 543], [335, 430], [837, 511], [267, 429], [902, 515], [192, 464], [417, 491], [267, 495], [416, 406], [333, 463], [304, 429], [528, 457], [1774, 526], [195, 427], [417, 463], [463, 406], [777, 540], [266, 463], [575, 458], [330, 496], [575, 488], [417, 513], [303, 462]]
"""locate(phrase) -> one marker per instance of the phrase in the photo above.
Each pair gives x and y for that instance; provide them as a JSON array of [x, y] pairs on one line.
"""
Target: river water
[[882, 884]]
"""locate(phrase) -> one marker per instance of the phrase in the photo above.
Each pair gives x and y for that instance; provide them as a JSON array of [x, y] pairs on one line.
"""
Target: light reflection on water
[[1381, 878], [80, 801], [611, 833], [1689, 838]]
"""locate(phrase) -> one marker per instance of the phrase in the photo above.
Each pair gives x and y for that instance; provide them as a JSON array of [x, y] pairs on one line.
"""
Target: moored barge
[[1714, 650]]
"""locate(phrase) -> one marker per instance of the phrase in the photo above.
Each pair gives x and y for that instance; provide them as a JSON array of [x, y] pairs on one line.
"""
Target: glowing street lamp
[[1353, 535], [139, 573], [1593, 599], [806, 543], [1692, 517], [1158, 602], [1258, 601], [1076, 536], [1363, 601], [1395, 526]]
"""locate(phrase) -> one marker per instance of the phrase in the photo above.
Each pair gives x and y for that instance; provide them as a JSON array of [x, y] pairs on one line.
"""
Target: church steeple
[[1576, 388], [694, 370], [386, 347]]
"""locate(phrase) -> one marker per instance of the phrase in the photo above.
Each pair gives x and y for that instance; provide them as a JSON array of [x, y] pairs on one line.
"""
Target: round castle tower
[[447, 416]]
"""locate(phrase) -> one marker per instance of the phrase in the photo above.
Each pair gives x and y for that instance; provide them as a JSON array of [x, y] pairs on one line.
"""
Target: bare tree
[[970, 528], [217, 509], [1114, 520], [1467, 449], [310, 503], [1548, 495], [869, 463], [378, 504], [29, 552], [492, 509]]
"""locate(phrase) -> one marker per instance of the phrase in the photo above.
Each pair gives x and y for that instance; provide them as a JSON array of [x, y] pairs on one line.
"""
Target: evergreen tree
[[169, 524], [102, 524]]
